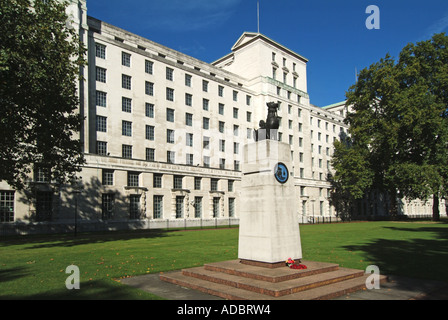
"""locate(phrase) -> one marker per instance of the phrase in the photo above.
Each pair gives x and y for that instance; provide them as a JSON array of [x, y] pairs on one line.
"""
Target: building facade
[[164, 132]]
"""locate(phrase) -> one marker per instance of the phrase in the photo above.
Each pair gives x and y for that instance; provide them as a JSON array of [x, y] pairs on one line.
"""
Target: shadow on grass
[[69, 240], [92, 290], [422, 257]]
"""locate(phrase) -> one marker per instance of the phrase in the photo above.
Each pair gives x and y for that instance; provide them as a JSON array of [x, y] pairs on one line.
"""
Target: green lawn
[[34, 267]]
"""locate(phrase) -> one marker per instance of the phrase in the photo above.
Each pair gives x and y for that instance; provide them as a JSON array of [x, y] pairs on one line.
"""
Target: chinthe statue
[[268, 130]]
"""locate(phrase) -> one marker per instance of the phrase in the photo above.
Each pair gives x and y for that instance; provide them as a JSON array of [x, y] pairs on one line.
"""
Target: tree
[[400, 116], [40, 60]]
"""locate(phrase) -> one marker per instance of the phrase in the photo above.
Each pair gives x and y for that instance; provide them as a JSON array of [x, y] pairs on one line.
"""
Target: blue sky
[[331, 34]]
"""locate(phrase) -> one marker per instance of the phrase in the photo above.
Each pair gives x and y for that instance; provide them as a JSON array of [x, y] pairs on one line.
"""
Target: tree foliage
[[40, 59], [398, 125]]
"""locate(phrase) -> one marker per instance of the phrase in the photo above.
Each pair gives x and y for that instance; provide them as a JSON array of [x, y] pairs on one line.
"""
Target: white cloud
[[438, 26]]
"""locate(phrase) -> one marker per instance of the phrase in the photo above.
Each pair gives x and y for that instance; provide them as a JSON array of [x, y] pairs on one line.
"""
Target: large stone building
[[164, 132]]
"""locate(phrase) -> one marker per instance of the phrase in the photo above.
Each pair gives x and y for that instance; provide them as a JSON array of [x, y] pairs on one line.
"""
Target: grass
[[34, 267]]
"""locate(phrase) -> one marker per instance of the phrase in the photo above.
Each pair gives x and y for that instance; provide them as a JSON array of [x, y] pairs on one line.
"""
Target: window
[[149, 88], [101, 99], [169, 74], [101, 148], [126, 151], [235, 113], [170, 115], [235, 95], [126, 105], [157, 180], [126, 81], [220, 91], [236, 130], [231, 207], [100, 51], [179, 207], [230, 185], [134, 206], [206, 143], [126, 128], [205, 104], [125, 59], [204, 85], [221, 109], [177, 182], [236, 148], [189, 119], [197, 207], [101, 124], [169, 136], [133, 179], [214, 184], [149, 67], [107, 205], [6, 206], [150, 154], [197, 183], [249, 116], [189, 159], [100, 74], [248, 100], [222, 145], [42, 174], [216, 201], [170, 156], [188, 99], [169, 94], [149, 110], [189, 139], [205, 123], [222, 163], [108, 177], [149, 132], [188, 80], [158, 207], [206, 162], [236, 165]]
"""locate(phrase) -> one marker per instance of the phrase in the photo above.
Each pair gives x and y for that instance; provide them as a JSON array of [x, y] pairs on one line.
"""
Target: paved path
[[397, 288]]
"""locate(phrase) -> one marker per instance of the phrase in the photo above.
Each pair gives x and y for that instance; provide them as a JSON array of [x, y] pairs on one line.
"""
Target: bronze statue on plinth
[[268, 130]]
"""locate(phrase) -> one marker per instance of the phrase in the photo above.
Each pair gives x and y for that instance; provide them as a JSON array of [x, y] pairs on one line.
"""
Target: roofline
[[334, 105]]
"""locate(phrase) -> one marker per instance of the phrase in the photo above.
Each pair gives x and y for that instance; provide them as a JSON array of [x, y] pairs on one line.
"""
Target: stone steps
[[233, 280]]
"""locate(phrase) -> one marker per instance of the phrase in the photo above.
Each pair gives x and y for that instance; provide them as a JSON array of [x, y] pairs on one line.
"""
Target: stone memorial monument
[[269, 227]]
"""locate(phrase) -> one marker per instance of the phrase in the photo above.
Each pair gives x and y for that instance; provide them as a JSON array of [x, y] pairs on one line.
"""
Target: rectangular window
[[107, 206], [197, 207], [126, 151], [101, 148], [101, 124], [158, 207], [149, 67], [204, 85], [205, 123], [179, 207], [157, 180], [231, 207], [108, 177], [126, 105], [100, 51], [188, 80], [221, 109], [206, 143], [125, 59], [169, 136], [44, 205], [100, 74], [150, 154], [149, 110], [189, 138], [197, 183], [170, 115], [188, 99], [170, 156], [6, 206], [235, 95], [149, 132], [216, 201], [214, 184], [133, 179], [134, 206], [149, 88], [189, 119], [221, 91], [205, 104], [101, 99], [169, 94], [169, 74], [126, 81], [178, 182], [126, 128], [189, 159]]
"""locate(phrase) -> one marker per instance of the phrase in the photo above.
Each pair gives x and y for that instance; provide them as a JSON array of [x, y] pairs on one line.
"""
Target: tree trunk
[[435, 208]]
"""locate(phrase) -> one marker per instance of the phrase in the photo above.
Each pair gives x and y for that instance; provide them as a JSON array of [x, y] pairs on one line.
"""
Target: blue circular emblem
[[281, 172]]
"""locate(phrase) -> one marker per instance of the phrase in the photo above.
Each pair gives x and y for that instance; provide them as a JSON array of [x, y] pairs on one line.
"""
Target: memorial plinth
[[269, 227]]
